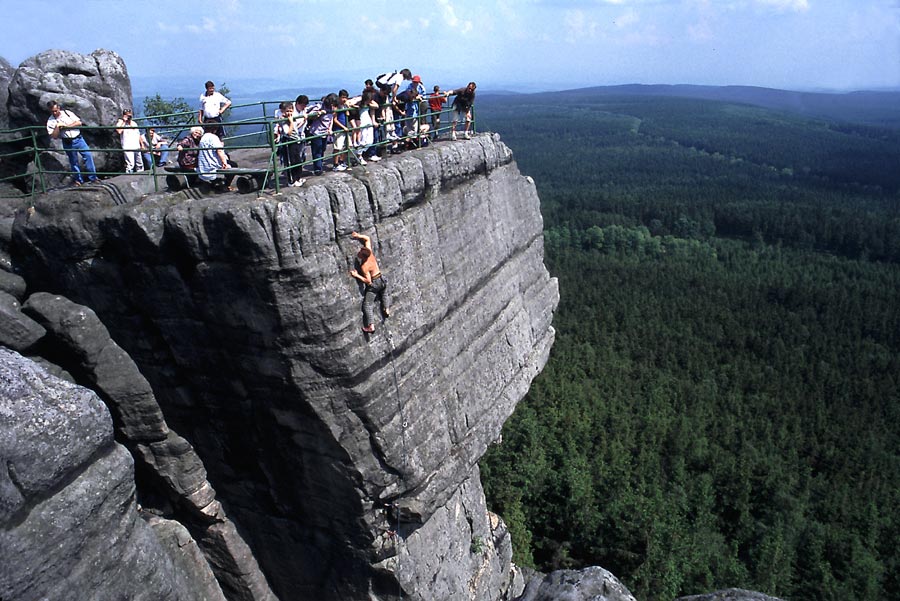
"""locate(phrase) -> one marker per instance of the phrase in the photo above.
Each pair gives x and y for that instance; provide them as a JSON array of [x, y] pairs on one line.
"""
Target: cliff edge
[[347, 462]]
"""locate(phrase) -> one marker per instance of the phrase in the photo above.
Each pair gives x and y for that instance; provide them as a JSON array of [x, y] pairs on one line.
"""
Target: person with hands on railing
[[288, 133], [212, 105], [462, 108]]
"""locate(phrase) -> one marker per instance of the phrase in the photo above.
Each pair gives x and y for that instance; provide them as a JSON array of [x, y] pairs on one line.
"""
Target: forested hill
[[722, 404], [879, 108]]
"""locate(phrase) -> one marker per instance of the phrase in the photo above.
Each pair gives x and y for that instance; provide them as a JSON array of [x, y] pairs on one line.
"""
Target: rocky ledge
[[348, 463]]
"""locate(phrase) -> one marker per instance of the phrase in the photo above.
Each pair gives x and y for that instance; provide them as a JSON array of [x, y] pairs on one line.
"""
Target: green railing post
[[270, 132], [37, 165]]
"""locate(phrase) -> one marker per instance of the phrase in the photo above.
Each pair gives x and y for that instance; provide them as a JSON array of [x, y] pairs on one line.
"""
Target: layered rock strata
[[76, 340], [348, 463], [70, 527]]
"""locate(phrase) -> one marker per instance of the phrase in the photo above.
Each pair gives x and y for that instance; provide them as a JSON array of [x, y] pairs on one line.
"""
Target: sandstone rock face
[[171, 469], [17, 331], [67, 499], [95, 87], [349, 462], [590, 584], [6, 73]]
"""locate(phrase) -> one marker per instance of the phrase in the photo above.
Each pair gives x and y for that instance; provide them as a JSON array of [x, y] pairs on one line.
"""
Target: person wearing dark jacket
[[462, 108]]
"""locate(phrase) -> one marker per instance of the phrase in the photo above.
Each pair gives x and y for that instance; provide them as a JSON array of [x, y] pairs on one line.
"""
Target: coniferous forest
[[722, 404]]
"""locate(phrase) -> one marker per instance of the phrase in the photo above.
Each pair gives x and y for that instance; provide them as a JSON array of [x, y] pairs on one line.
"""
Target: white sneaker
[[374, 158], [341, 167], [362, 161], [453, 135], [468, 136], [298, 183]]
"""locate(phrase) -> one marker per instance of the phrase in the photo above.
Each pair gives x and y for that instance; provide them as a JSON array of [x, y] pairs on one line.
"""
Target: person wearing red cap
[[417, 98]]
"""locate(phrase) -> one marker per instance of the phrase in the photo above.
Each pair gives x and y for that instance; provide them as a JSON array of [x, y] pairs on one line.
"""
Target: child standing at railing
[[288, 135], [341, 131], [436, 102]]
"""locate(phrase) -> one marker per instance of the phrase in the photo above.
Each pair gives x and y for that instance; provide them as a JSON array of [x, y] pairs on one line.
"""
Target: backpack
[[382, 81]]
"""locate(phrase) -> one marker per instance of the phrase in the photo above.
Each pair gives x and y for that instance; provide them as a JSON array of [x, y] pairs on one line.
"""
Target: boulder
[[69, 524], [12, 284], [17, 331], [188, 559], [171, 470], [590, 584], [96, 87], [104, 364], [731, 594], [6, 73]]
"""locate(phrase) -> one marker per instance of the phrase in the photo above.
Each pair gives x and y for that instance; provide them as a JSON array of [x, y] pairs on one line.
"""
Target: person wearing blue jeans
[[64, 124], [320, 117]]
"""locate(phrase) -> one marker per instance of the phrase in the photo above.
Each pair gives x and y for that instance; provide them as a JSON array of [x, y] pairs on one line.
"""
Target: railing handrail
[[268, 123]]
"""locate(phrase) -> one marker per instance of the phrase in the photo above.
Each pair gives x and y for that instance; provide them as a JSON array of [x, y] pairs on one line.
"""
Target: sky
[[524, 45]]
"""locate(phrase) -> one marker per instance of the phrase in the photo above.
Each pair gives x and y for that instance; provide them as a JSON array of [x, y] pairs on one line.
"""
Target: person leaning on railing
[[64, 124], [462, 108]]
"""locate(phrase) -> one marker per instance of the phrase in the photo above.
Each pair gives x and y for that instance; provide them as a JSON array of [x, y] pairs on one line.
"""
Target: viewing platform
[[33, 163]]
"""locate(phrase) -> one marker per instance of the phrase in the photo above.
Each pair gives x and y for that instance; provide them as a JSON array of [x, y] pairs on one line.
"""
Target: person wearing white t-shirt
[[132, 142], [212, 157], [212, 105], [64, 124]]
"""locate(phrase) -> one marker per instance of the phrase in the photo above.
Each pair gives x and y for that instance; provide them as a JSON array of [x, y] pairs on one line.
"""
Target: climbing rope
[[403, 425]]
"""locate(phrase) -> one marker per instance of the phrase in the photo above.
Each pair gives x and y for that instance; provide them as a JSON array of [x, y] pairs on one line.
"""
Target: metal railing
[[241, 134]]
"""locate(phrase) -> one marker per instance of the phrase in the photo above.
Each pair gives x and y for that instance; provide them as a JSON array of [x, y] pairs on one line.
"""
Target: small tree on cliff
[[161, 112]]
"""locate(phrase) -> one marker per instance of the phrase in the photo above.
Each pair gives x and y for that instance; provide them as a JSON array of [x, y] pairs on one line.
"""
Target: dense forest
[[722, 404]]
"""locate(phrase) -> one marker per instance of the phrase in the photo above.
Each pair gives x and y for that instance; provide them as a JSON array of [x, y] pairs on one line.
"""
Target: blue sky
[[530, 44]]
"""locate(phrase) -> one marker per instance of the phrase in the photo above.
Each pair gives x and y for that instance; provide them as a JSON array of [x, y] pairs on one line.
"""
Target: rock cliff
[[347, 463], [71, 527], [95, 87]]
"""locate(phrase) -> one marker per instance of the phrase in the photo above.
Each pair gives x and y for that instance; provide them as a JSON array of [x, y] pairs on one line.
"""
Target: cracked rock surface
[[348, 462]]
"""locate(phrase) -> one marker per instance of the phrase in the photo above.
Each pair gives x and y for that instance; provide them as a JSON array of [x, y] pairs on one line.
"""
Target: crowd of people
[[391, 113]]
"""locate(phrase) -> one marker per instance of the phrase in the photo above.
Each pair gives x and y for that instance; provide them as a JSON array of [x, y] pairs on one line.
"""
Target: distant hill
[[866, 107]]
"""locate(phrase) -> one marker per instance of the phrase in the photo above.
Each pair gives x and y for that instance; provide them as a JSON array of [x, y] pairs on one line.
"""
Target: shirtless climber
[[376, 285]]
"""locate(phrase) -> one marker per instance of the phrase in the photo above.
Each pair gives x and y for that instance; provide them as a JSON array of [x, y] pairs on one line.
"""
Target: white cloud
[[383, 24], [627, 19], [208, 26], [701, 31], [786, 5], [168, 27], [578, 26], [448, 12]]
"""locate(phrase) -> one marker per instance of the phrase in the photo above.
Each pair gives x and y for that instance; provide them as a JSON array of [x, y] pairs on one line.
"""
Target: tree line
[[721, 404]]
